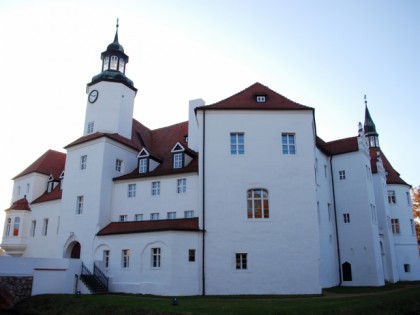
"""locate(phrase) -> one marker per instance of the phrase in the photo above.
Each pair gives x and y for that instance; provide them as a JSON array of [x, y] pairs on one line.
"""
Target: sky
[[325, 54]]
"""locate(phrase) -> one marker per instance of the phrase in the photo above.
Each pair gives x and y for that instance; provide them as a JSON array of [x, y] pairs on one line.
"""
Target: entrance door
[[75, 251]]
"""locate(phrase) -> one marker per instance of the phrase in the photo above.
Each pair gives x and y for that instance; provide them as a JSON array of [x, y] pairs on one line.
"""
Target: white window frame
[[156, 188], [79, 204], [346, 217], [342, 174], [123, 218], [118, 165], [33, 228], [178, 160], [392, 198], [143, 165], [395, 226], [131, 190], [90, 127], [171, 215], [237, 143], [125, 259], [106, 254], [138, 217], [156, 257], [189, 214], [253, 200], [241, 261], [83, 162], [288, 143], [16, 226], [45, 227], [181, 185], [154, 216]]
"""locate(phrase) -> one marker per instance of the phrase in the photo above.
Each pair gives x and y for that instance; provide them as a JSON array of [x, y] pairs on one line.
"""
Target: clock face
[[93, 96]]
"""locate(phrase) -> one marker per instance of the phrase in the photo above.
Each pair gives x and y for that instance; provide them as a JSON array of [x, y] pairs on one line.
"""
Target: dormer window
[[178, 159], [62, 180], [50, 184], [261, 98], [144, 165]]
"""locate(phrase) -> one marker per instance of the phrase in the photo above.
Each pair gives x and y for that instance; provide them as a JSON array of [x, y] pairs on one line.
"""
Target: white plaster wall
[[37, 186], [359, 239], [405, 242], [113, 110], [176, 276], [95, 184], [329, 266], [44, 246], [193, 131], [144, 203], [283, 251]]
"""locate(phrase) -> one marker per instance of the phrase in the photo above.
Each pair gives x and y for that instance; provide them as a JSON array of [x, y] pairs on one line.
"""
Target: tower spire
[[370, 128], [116, 32]]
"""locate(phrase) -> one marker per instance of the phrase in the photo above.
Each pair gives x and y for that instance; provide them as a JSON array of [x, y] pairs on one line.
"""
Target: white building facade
[[243, 198]]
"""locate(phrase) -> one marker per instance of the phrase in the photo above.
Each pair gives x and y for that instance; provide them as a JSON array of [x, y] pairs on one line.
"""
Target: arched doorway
[[75, 251]]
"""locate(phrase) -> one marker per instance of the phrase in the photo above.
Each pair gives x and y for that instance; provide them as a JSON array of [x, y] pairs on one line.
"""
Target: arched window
[[258, 204], [114, 62], [16, 227]]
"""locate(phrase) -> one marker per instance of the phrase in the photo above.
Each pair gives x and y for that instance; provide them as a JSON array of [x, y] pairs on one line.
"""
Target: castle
[[243, 198]]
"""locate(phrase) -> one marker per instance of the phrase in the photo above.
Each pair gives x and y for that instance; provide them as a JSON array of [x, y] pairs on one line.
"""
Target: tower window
[[121, 65], [106, 64], [90, 127], [114, 63], [342, 174]]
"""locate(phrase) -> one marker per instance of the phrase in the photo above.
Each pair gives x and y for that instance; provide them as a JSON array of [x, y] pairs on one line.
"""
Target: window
[[154, 216], [373, 213], [346, 217], [33, 227], [83, 161], [90, 127], [178, 160], [45, 227], [258, 204], [329, 212], [181, 185], [407, 268], [9, 222], [325, 171], [346, 267], [191, 255], [79, 205], [408, 198], [114, 62], [155, 188], [171, 215], [138, 217], [123, 218], [413, 227], [121, 65], [143, 165], [106, 64], [125, 259], [131, 190], [395, 226], [237, 143], [16, 226], [241, 261], [118, 165], [189, 214], [260, 98], [156, 257], [28, 186], [106, 258], [391, 197], [288, 143], [342, 174]]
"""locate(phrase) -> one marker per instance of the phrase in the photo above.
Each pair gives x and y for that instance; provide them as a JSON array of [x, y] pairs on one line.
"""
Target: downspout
[[336, 223], [204, 205]]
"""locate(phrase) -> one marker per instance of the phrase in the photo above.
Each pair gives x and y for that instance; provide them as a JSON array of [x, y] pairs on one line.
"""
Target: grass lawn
[[394, 299]]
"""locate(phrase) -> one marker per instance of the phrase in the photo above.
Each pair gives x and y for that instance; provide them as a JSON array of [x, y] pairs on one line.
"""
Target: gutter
[[204, 206], [336, 223]]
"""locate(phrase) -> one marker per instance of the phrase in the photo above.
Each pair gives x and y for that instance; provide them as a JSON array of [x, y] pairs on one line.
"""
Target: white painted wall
[[282, 258]]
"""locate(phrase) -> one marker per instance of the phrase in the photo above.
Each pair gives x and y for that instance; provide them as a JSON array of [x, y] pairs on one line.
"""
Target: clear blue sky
[[324, 54]]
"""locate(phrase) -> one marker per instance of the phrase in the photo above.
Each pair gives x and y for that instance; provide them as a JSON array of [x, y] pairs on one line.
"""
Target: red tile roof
[[159, 143], [338, 146], [393, 177], [150, 226], [50, 163], [21, 204], [246, 100], [55, 194]]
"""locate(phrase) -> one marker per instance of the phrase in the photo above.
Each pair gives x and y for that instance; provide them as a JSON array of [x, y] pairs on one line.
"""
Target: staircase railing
[[85, 270], [100, 275]]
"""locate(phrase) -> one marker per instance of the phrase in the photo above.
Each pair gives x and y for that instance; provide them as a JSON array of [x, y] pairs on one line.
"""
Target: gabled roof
[[55, 194], [393, 177], [340, 146], [21, 204], [50, 163], [159, 143], [246, 100], [131, 227]]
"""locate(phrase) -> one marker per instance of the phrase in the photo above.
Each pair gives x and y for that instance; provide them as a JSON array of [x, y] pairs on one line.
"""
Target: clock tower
[[110, 101]]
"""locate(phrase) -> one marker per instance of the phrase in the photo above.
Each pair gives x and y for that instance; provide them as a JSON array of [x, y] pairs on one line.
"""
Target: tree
[[415, 195]]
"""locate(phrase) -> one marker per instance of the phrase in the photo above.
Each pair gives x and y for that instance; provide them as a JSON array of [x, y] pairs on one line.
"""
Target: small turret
[[371, 135]]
